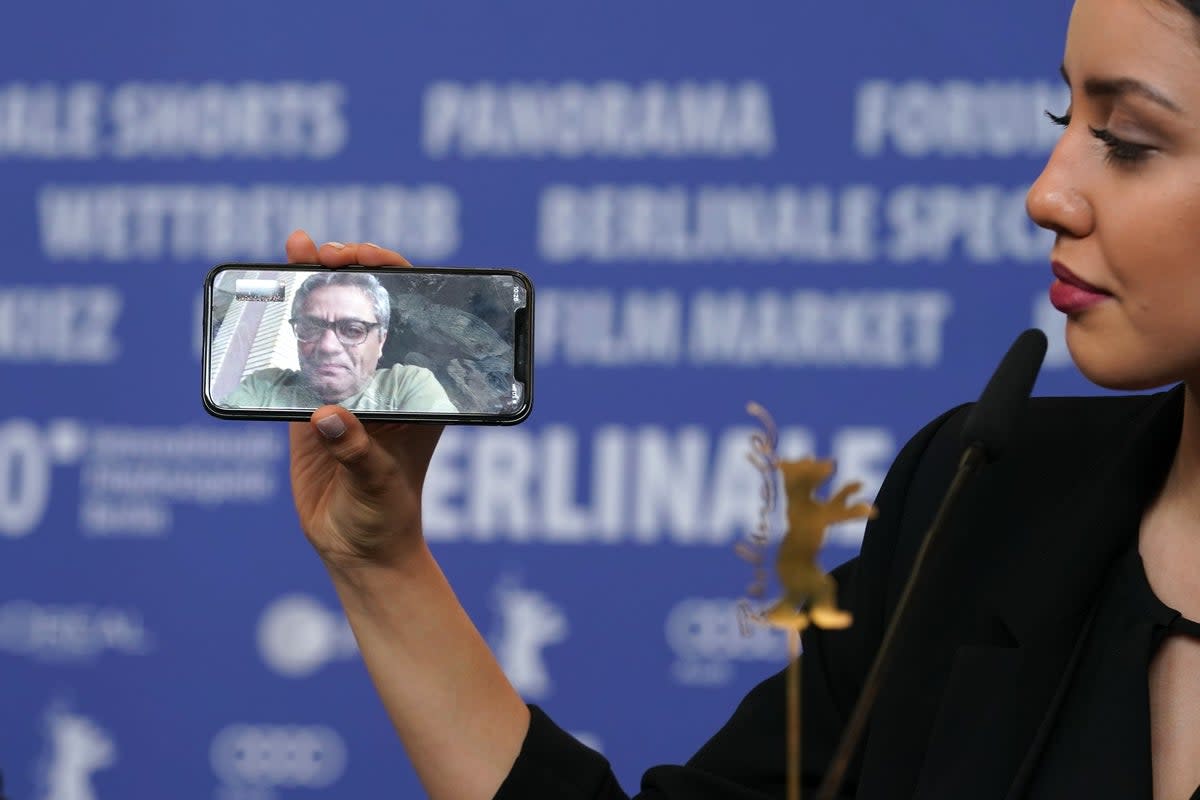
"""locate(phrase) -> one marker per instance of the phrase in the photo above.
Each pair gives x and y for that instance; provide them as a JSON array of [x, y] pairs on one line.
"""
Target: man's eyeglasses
[[348, 331]]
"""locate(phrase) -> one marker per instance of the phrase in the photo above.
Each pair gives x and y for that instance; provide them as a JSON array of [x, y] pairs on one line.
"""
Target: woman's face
[[1122, 192]]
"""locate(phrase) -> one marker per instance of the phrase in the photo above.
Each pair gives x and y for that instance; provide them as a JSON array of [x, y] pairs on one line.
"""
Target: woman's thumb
[[345, 438]]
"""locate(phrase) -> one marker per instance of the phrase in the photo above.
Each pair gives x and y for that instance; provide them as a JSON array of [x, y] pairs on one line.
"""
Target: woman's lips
[[1071, 294]]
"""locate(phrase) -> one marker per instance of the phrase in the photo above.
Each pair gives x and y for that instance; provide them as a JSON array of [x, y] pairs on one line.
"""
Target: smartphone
[[414, 344]]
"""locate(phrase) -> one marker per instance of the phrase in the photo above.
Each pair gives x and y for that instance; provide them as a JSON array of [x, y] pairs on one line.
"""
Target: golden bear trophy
[[809, 594]]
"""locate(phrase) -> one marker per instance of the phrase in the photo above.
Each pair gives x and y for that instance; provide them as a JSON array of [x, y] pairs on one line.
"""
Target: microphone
[[991, 420], [986, 432]]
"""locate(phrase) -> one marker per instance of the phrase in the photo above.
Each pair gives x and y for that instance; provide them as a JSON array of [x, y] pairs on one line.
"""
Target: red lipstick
[[1071, 294]]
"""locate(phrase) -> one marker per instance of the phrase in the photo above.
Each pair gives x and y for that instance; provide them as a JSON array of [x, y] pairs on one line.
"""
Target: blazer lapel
[[1003, 691], [998, 708]]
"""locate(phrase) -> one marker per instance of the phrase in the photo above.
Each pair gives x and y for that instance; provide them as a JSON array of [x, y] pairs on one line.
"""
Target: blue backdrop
[[818, 207]]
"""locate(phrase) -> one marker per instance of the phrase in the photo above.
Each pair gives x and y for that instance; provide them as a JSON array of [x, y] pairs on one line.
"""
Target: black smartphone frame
[[522, 350]]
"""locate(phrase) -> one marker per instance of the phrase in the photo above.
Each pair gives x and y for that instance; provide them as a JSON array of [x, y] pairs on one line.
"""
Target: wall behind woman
[[818, 207]]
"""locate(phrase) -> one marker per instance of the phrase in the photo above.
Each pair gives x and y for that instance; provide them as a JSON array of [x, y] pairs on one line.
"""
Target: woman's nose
[[1056, 200]]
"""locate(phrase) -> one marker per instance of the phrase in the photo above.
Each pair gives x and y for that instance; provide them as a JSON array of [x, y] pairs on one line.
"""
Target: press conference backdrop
[[815, 206]]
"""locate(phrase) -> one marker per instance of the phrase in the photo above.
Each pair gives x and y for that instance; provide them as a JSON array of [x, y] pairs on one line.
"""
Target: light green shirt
[[401, 387]]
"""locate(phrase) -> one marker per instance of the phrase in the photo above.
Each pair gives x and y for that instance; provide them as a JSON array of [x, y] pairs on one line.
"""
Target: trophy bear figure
[[809, 594]]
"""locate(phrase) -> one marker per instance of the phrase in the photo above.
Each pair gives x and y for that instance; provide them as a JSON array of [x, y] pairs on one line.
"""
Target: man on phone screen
[[341, 322]]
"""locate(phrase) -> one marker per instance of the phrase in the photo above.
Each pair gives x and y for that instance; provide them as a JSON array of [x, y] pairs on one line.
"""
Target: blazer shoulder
[[1056, 435], [1056, 438], [1075, 415], [1047, 424]]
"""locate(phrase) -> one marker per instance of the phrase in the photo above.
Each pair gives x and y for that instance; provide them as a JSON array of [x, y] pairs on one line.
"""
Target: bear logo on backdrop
[[76, 747], [528, 623]]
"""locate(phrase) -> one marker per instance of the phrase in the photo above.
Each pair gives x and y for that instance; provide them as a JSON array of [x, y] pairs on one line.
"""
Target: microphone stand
[[986, 432], [972, 458]]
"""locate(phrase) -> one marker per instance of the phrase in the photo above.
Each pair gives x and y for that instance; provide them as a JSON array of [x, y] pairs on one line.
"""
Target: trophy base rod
[[793, 716]]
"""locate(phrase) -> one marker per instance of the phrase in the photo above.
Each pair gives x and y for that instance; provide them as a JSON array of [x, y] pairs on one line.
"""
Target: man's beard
[[331, 388]]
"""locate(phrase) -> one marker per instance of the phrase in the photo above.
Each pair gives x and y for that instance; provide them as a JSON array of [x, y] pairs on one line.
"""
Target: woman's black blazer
[[984, 658]]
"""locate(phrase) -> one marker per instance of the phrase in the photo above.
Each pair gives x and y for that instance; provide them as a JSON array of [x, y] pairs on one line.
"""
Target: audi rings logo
[[278, 756], [707, 640]]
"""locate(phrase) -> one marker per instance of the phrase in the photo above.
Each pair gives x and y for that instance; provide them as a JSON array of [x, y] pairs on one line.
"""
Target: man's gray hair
[[369, 284]]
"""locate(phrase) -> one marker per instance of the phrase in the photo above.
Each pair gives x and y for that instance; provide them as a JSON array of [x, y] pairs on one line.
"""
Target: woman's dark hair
[[1192, 6]]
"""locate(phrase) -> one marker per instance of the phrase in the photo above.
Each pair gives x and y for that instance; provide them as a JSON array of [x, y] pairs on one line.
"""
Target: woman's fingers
[[300, 248], [336, 254], [372, 255]]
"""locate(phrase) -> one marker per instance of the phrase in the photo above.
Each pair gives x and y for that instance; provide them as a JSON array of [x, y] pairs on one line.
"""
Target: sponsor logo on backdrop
[[76, 748], [297, 636], [132, 477], [529, 622], [708, 642], [75, 633], [252, 760]]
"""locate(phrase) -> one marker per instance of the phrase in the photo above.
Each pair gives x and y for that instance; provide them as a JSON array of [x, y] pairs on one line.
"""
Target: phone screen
[[417, 344]]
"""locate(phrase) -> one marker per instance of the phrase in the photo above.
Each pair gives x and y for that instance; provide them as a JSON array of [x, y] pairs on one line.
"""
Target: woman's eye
[[1063, 121], [1120, 150]]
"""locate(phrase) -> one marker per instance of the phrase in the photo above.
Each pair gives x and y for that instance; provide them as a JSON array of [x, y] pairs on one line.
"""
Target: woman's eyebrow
[[1118, 87]]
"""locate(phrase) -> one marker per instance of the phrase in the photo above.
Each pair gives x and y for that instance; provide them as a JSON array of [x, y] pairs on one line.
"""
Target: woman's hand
[[358, 493], [357, 487]]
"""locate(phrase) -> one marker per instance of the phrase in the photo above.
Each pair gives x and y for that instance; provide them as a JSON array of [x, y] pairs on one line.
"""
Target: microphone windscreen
[[990, 422]]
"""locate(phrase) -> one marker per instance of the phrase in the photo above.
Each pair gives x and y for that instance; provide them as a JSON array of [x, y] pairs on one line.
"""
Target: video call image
[[397, 342]]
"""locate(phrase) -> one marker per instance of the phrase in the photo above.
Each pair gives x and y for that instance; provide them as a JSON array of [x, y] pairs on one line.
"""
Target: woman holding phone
[[1055, 651]]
